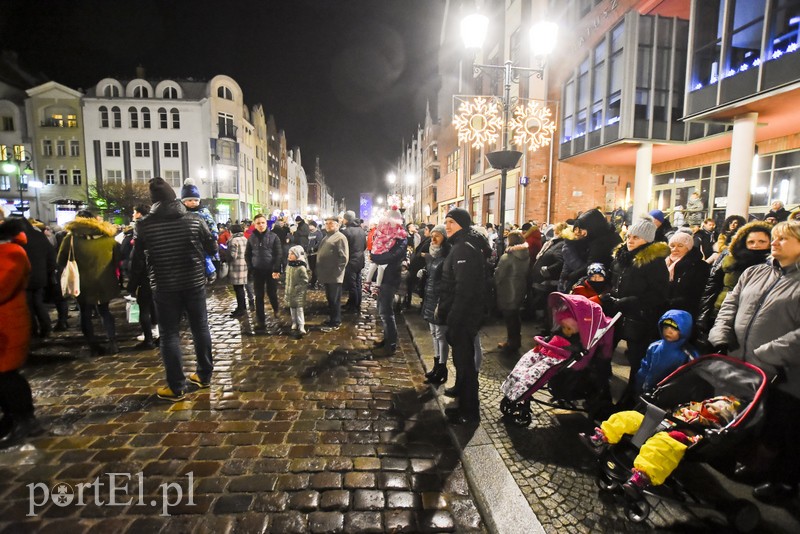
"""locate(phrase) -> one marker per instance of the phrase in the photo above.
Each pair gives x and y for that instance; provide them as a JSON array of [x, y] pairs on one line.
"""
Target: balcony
[[227, 131], [58, 123]]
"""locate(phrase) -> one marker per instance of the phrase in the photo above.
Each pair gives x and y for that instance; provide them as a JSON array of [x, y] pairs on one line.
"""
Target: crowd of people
[[681, 290]]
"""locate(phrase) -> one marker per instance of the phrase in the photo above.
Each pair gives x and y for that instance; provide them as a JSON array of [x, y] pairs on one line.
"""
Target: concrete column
[[743, 144], [642, 183]]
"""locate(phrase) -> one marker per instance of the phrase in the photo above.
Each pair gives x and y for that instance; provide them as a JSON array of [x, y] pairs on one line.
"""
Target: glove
[[610, 304], [421, 273], [543, 270]]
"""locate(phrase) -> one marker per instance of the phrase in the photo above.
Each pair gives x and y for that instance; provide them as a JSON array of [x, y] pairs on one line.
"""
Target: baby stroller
[[573, 377], [707, 377]]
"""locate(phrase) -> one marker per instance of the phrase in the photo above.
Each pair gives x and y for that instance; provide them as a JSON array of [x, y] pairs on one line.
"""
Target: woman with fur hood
[[98, 256], [749, 246], [510, 279], [16, 399], [639, 290]]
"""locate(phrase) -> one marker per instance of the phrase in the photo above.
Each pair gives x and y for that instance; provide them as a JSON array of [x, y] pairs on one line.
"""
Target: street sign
[[524, 181]]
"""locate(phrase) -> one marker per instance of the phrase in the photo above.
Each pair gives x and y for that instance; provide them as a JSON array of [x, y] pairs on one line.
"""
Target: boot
[[113, 348], [433, 370], [439, 377]]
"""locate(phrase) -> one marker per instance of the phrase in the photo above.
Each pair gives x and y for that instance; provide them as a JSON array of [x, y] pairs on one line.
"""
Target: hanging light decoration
[[531, 125], [478, 122]]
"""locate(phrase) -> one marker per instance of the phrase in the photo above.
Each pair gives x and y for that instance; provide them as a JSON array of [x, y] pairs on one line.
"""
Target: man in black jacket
[[171, 244], [263, 255], [314, 239], [301, 234], [357, 243], [281, 229], [461, 306]]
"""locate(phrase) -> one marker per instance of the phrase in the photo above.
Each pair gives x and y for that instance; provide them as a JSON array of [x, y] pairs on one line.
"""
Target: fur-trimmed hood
[[657, 250], [520, 251], [739, 240], [90, 227]]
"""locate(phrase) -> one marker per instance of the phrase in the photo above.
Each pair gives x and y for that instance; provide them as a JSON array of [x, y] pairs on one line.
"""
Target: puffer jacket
[[663, 356], [296, 283], [264, 252], [356, 245], [237, 246], [433, 283], [461, 301], [639, 287], [172, 243], [760, 322], [688, 281], [15, 323], [510, 277], [97, 255]]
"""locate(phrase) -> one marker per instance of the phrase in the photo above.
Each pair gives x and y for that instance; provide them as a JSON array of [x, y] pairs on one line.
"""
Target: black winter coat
[[433, 283], [461, 301], [171, 244], [301, 235], [552, 259], [688, 282], [42, 256], [601, 240], [639, 289], [357, 243], [263, 252]]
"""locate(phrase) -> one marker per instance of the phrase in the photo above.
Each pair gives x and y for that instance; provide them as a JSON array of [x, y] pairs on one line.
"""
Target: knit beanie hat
[[683, 238], [596, 268], [439, 228], [189, 190], [461, 217], [161, 191], [299, 253], [349, 216], [657, 215], [643, 228]]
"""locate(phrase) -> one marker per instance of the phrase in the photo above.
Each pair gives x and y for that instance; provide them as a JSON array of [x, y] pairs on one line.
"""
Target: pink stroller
[[568, 368]]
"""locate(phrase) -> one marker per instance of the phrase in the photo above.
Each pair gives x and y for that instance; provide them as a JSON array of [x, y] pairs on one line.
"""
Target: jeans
[[39, 314], [333, 292], [463, 342], [260, 279], [170, 306], [386, 312], [440, 347], [86, 320], [352, 284], [298, 317]]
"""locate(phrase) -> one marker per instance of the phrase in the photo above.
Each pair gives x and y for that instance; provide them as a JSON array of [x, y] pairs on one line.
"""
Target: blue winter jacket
[[662, 356]]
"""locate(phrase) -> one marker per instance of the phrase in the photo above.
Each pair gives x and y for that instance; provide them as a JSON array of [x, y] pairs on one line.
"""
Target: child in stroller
[[663, 451], [581, 327]]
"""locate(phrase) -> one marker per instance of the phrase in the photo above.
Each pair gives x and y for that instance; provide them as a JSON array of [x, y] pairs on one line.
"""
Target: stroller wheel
[[743, 515], [638, 510], [521, 419], [605, 483], [506, 406]]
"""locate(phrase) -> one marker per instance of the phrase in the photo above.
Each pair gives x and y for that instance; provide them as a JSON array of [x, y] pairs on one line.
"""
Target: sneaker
[[294, 326], [636, 484], [155, 331], [302, 331], [194, 378], [596, 442], [140, 337], [332, 328], [166, 393]]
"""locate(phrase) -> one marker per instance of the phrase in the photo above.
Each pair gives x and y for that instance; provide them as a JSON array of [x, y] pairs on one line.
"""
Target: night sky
[[347, 80]]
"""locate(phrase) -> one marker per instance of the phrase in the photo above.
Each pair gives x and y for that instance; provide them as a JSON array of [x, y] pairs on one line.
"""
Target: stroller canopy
[[591, 320]]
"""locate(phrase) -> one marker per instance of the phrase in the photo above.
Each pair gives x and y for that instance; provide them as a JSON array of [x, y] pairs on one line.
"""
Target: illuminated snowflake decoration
[[478, 122], [531, 125]]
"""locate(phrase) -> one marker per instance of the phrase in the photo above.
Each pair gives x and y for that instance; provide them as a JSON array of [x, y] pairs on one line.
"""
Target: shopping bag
[[132, 311], [70, 278], [223, 270]]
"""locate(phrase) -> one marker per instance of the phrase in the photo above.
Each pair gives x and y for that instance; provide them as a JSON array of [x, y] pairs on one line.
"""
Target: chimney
[[140, 72]]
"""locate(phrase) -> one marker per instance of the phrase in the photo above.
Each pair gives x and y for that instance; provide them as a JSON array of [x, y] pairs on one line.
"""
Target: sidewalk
[[541, 479]]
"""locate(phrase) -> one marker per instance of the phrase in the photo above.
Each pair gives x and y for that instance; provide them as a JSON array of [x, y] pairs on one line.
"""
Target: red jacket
[[534, 239], [15, 322]]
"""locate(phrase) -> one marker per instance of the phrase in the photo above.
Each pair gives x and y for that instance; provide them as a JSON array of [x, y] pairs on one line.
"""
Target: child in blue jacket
[[669, 353]]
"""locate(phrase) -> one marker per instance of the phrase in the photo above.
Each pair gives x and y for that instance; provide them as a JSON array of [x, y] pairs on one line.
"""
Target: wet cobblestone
[[308, 435]]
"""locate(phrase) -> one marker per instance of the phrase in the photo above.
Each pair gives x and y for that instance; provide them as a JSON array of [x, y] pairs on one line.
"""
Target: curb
[[501, 503]]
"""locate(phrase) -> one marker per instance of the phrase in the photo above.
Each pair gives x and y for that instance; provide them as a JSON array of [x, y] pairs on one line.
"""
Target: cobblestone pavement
[[557, 475], [308, 435]]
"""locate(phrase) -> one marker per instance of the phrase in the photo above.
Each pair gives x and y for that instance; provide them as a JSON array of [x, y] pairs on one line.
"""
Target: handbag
[[70, 278]]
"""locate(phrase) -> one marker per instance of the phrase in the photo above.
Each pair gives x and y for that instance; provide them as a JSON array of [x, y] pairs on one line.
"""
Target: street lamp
[[542, 39], [15, 165]]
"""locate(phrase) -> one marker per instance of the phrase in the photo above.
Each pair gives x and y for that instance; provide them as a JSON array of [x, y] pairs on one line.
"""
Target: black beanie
[[460, 216], [161, 191], [298, 219]]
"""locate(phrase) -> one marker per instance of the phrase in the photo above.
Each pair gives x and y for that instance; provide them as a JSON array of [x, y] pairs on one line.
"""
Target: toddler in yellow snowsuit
[[663, 451]]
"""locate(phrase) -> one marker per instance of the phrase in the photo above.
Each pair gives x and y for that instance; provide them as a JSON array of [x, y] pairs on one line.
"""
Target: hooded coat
[[296, 278], [640, 285], [98, 256], [726, 273], [433, 282], [510, 277], [664, 356], [15, 323]]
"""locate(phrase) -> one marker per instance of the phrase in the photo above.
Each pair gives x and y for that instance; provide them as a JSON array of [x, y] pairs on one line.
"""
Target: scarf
[[672, 260]]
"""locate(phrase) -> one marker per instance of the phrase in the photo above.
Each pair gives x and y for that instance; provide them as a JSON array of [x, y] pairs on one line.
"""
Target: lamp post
[[542, 37], [36, 185], [15, 165]]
